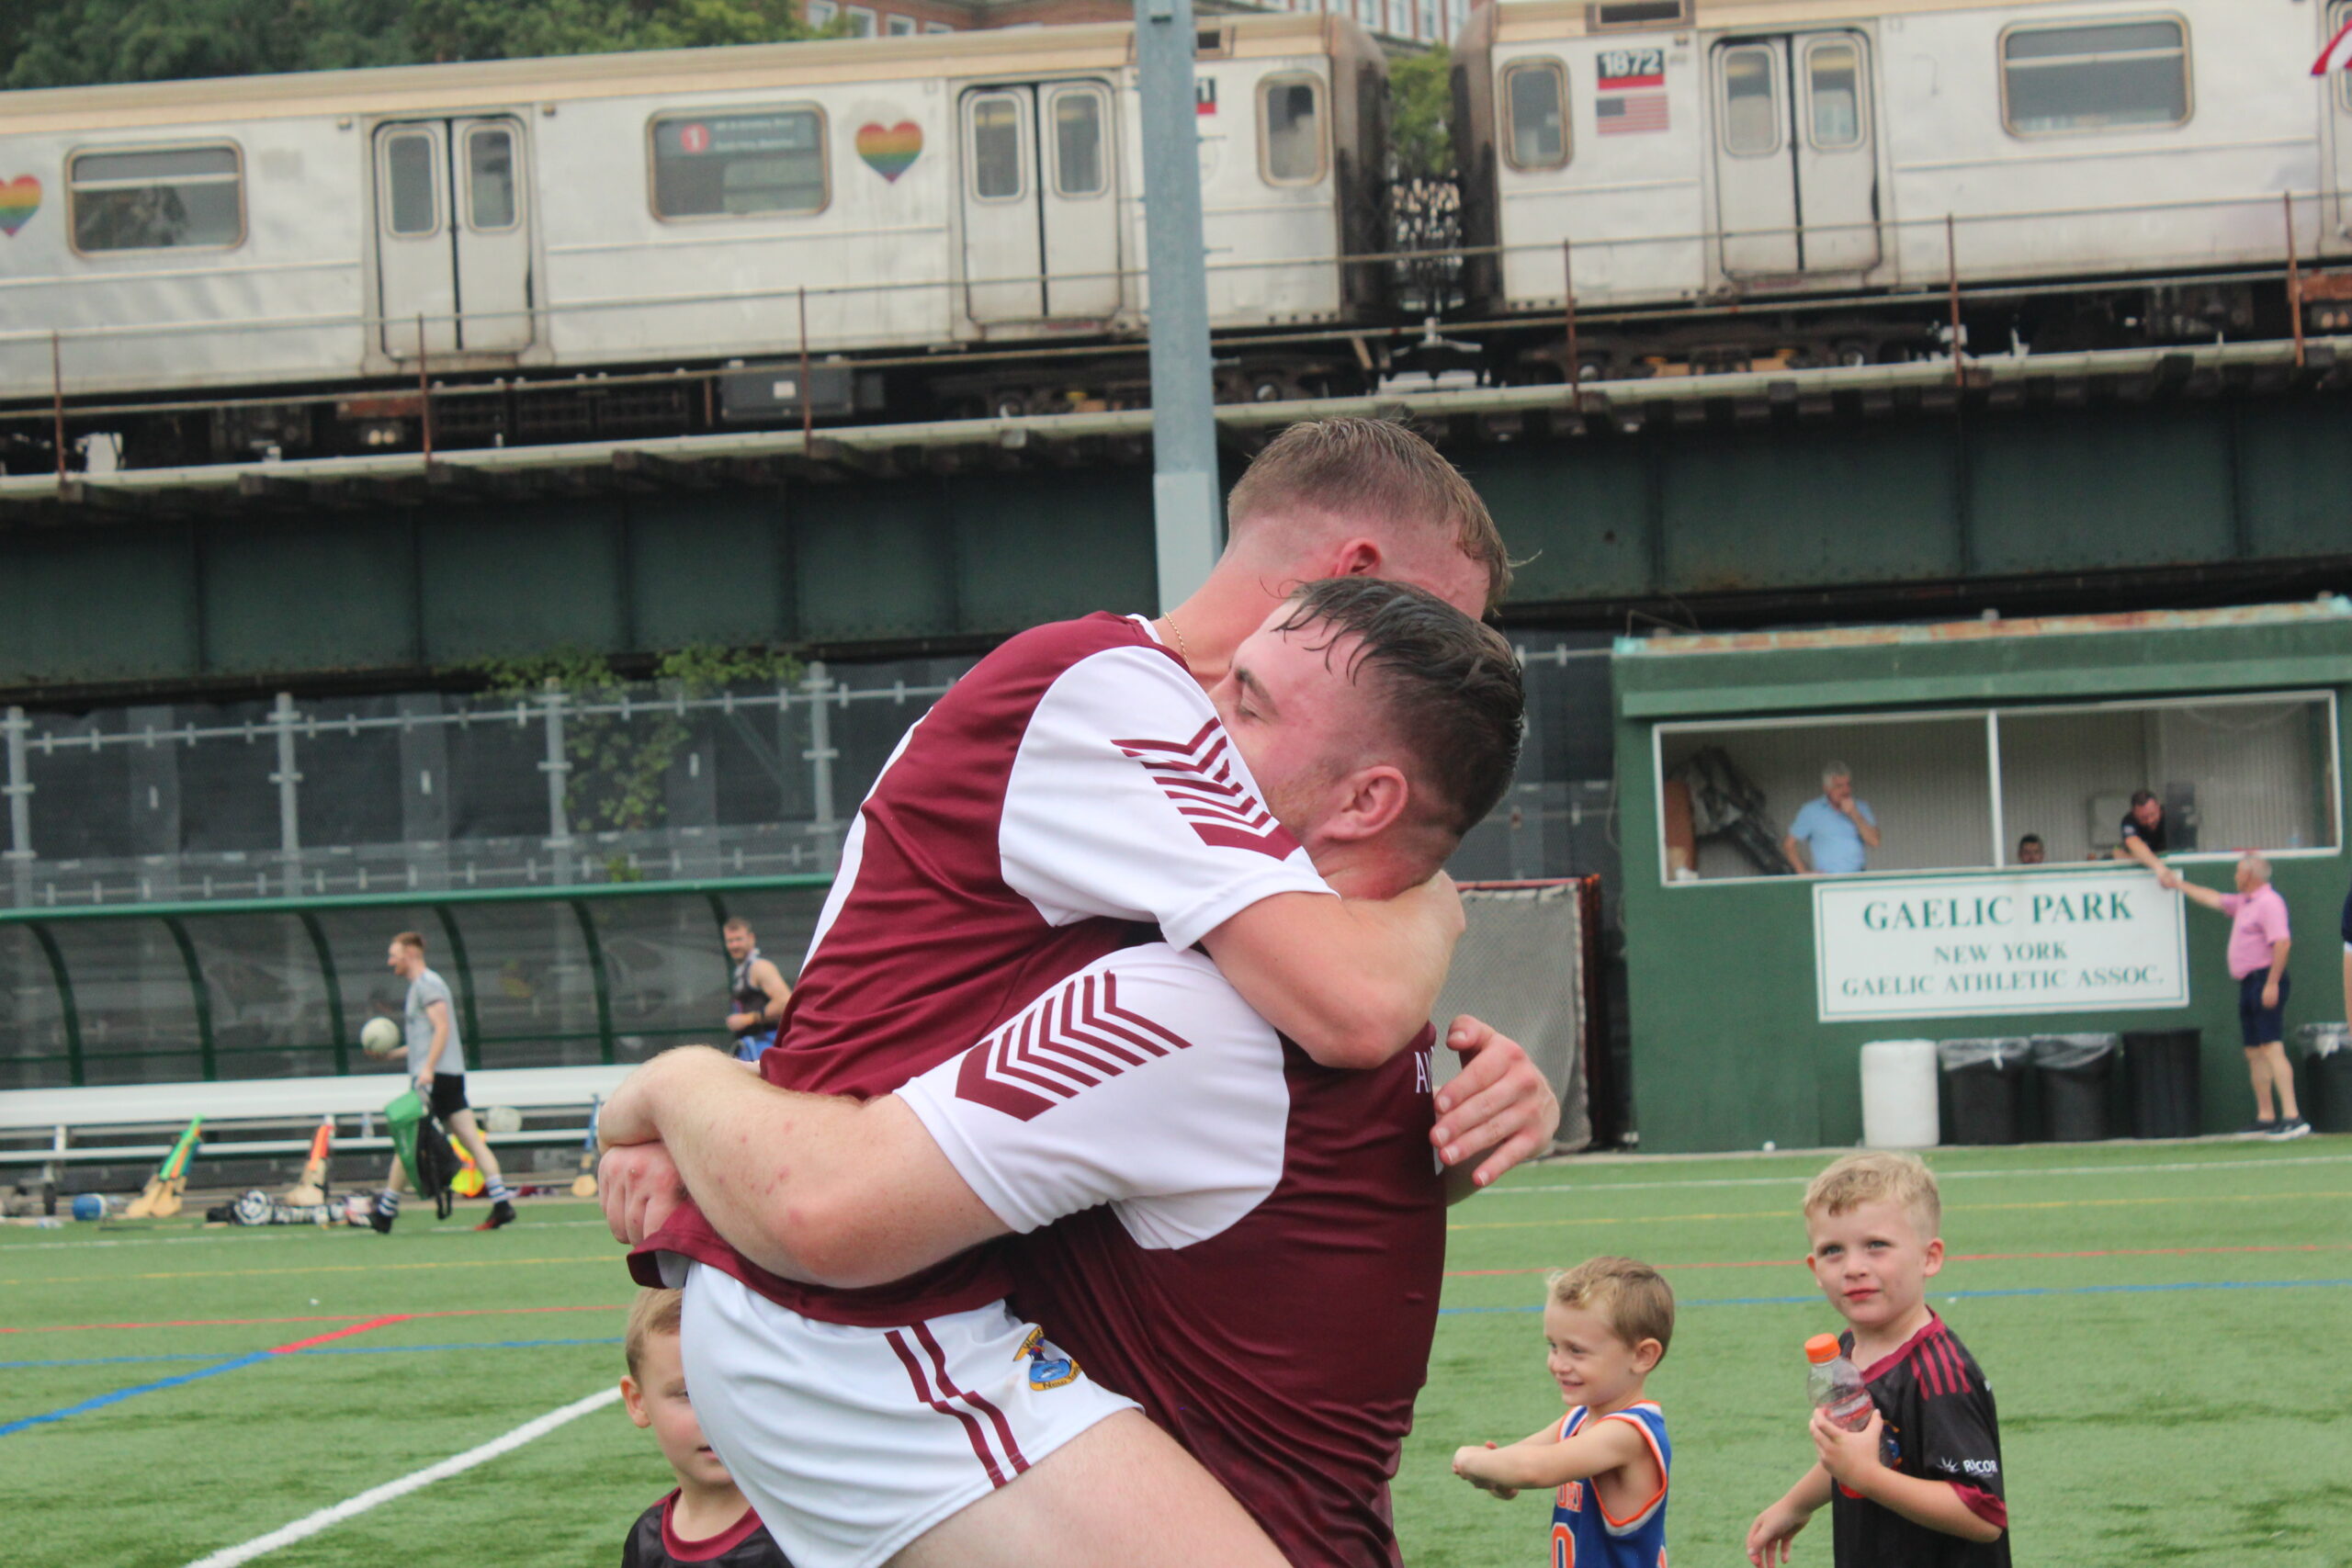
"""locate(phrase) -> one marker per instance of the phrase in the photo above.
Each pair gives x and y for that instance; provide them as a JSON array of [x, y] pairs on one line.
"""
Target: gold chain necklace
[[1176, 631]]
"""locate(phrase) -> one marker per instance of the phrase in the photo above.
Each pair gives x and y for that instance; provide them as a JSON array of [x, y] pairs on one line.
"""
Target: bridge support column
[[1187, 521]]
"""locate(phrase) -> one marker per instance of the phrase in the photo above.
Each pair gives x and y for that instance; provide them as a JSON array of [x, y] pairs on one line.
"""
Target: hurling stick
[[312, 1187], [584, 1184], [161, 1199]]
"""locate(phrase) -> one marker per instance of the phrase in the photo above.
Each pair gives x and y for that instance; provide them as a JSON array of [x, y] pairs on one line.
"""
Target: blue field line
[[288, 1355], [1816, 1298], [121, 1393]]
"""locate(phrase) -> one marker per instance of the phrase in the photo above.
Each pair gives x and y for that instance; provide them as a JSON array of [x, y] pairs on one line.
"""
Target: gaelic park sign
[[1961, 946]]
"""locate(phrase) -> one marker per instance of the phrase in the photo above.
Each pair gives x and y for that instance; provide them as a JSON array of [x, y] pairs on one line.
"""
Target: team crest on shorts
[[1048, 1367]]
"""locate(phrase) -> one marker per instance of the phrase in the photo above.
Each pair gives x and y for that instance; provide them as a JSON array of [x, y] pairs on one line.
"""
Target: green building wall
[[1728, 1049]]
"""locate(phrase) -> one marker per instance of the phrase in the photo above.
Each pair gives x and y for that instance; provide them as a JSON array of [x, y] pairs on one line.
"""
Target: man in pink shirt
[[2258, 944]]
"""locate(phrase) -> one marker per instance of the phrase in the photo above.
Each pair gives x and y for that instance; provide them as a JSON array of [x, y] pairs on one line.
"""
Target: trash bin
[[2075, 1071], [2162, 1066], [1899, 1094], [2327, 1076], [1982, 1078]]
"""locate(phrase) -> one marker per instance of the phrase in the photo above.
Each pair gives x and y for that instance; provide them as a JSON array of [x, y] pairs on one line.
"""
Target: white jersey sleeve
[[1126, 799], [1143, 1081]]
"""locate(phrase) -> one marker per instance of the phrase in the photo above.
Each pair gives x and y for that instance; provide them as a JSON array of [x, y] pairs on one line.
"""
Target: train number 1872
[[1632, 64]]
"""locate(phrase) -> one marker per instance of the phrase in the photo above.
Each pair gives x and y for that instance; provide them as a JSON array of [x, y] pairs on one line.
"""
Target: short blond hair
[[1632, 1298], [653, 1311], [1878, 1175], [1377, 471]]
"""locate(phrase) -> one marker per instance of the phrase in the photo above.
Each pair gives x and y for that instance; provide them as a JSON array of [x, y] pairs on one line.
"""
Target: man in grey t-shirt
[[436, 1060]]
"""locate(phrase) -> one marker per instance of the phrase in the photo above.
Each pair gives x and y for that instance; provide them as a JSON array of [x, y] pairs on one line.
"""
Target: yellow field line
[[607, 1261], [1790, 1213]]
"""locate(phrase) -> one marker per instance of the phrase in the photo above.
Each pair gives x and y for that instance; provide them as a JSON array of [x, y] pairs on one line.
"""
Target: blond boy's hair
[[1879, 1175], [1376, 470], [1633, 1299], [653, 1311]]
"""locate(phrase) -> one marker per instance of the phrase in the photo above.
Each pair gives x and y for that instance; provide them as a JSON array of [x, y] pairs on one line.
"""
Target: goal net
[[1521, 967]]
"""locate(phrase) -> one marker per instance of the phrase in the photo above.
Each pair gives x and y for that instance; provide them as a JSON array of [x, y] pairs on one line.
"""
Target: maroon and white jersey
[[1247, 1244], [1072, 790]]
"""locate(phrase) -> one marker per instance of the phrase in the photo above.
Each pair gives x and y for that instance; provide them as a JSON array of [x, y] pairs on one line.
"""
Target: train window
[[749, 164], [1078, 141], [1290, 129], [1834, 82], [166, 199], [1537, 93], [2111, 75], [410, 178], [1608, 14], [1751, 102], [2337, 18], [490, 177], [996, 149]]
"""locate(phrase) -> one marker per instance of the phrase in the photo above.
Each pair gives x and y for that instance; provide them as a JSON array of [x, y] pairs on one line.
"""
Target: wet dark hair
[[1450, 686]]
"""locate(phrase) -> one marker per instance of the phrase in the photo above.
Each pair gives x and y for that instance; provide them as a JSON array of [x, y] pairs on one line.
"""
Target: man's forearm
[[2278, 960], [1350, 980]]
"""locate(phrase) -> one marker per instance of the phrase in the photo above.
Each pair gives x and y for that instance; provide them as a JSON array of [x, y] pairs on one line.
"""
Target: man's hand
[[1848, 1457], [629, 1117], [2270, 994], [746, 1023], [424, 1086], [1498, 1103], [640, 1187], [1769, 1537]]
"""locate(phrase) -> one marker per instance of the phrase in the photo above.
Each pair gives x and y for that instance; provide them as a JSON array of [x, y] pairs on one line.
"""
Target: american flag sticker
[[1631, 114]]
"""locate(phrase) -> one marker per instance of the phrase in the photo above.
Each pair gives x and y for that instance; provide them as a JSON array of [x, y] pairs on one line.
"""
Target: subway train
[[523, 252]]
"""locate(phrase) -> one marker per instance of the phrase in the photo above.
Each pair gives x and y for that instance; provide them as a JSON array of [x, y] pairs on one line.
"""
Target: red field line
[[1962, 1258], [340, 1334], [318, 1317]]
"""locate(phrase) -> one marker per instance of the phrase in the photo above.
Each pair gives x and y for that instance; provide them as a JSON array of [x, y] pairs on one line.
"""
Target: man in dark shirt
[[2143, 831]]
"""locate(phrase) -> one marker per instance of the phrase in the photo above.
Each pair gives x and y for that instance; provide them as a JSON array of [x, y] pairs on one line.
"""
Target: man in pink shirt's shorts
[[2258, 944]]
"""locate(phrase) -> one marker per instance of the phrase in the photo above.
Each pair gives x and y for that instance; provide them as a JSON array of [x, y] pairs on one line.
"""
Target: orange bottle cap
[[1821, 1348]]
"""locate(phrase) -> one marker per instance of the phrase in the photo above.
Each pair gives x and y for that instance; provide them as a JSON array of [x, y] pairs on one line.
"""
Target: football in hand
[[380, 1037]]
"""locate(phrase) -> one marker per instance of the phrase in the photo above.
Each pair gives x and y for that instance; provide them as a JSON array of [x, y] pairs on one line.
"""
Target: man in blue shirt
[[1834, 833]]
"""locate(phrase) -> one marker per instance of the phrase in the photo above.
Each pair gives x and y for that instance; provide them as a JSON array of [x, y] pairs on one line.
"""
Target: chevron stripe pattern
[[1197, 774], [1066, 1043]]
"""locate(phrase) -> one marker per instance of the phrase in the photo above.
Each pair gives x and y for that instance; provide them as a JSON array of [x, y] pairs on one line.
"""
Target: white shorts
[[851, 1443]]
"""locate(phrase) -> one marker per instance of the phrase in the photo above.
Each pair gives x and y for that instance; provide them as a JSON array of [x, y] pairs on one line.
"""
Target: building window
[[489, 177], [2111, 76], [744, 165], [1959, 790], [413, 179], [1290, 129], [862, 22], [1833, 70], [166, 198], [1751, 102], [900, 27], [1537, 94], [938, 28], [820, 13]]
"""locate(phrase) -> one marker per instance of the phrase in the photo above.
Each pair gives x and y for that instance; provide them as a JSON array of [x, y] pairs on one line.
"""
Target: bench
[[43, 1124]]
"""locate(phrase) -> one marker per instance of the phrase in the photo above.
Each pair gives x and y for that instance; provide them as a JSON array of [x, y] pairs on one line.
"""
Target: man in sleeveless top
[[758, 990]]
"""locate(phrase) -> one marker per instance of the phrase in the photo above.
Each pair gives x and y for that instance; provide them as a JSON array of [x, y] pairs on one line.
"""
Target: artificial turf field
[[2167, 1329]]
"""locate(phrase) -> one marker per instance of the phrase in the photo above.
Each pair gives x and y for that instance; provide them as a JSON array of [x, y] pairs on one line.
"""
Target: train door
[[2338, 88], [1796, 154], [1041, 236], [453, 241]]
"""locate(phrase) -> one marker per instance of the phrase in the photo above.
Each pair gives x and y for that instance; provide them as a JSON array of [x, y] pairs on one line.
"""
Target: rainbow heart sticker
[[19, 199], [890, 150]]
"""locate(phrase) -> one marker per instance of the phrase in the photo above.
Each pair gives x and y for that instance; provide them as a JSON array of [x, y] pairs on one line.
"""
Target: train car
[[283, 256], [2116, 165]]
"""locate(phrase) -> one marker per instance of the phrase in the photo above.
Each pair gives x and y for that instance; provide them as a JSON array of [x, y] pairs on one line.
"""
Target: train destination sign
[[1963, 946]]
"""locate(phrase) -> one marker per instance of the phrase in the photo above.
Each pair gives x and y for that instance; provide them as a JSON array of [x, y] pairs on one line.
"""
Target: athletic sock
[[388, 1203], [498, 1191]]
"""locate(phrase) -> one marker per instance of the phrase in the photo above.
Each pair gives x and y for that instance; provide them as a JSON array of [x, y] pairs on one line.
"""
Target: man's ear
[[1358, 557], [1371, 800]]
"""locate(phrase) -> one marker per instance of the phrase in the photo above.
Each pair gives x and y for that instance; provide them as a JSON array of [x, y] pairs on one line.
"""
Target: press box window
[[1290, 122], [1537, 94], [167, 199], [739, 165], [2112, 76]]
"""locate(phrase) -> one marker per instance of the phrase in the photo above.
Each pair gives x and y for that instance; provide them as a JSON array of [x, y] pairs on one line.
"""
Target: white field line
[[313, 1524], [2175, 1167]]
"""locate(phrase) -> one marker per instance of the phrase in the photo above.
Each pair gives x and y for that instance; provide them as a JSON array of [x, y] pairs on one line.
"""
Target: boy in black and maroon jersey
[[1920, 1485], [706, 1520]]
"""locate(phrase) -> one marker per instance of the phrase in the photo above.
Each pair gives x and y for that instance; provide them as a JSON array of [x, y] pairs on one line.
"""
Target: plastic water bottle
[[1835, 1384]]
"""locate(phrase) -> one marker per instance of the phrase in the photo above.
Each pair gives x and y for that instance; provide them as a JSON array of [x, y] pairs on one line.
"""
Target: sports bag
[[425, 1150]]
